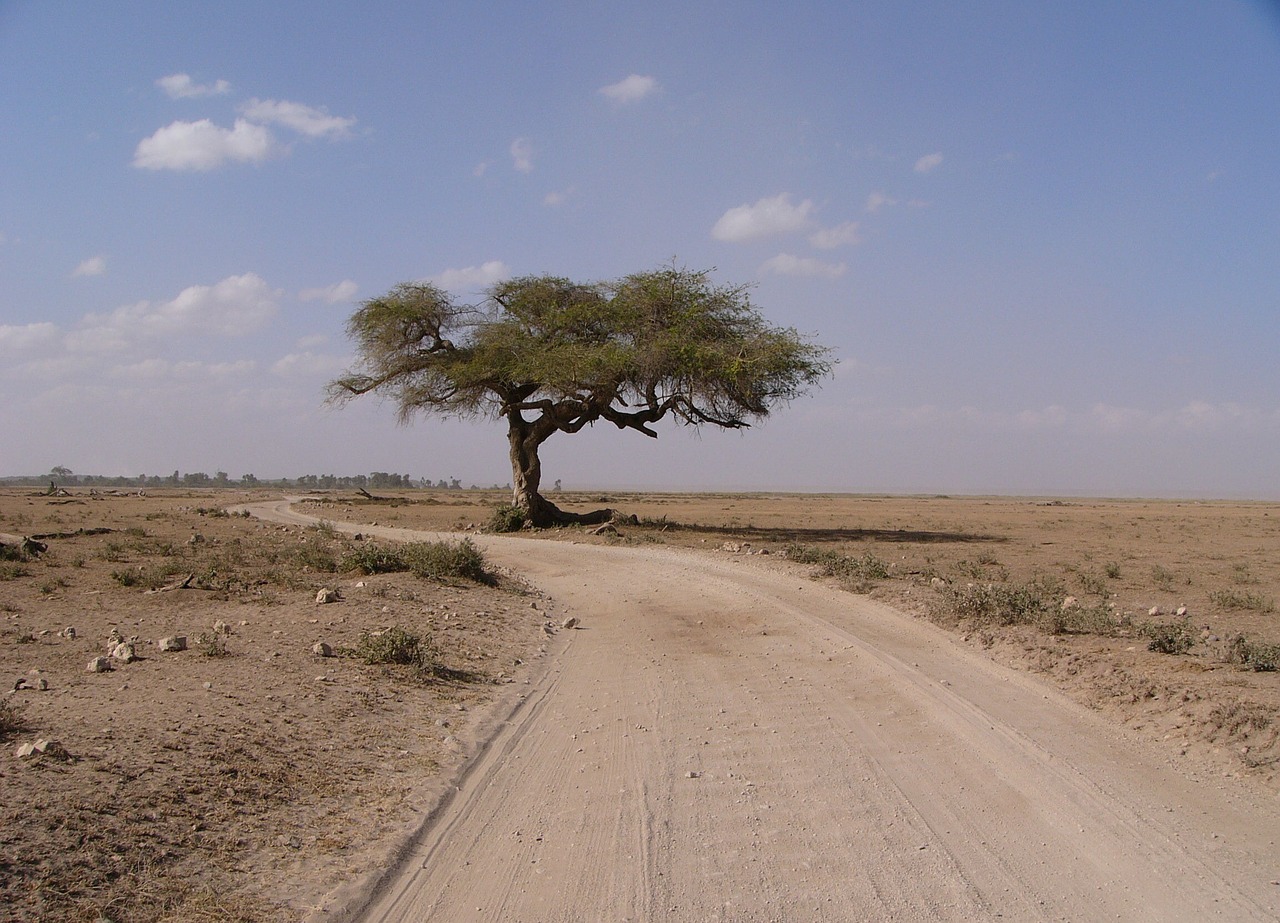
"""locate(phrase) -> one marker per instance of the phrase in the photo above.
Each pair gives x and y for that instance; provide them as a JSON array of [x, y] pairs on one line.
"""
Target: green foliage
[[446, 561], [395, 646], [1237, 599], [1262, 658], [12, 553], [550, 355], [1000, 603], [373, 559], [858, 572], [12, 719], [1113, 570], [12, 570], [1168, 637], [212, 644], [428, 560], [507, 518]]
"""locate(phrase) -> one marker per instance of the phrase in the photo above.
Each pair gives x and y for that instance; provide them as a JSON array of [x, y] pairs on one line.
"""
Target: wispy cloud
[[786, 264], [842, 235], [202, 146], [767, 217], [181, 86], [928, 163], [93, 266], [878, 200], [473, 278], [630, 89], [330, 294], [522, 155], [23, 339], [306, 120]]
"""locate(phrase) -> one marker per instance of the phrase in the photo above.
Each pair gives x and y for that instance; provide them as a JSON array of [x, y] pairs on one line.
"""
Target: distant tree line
[[378, 480]]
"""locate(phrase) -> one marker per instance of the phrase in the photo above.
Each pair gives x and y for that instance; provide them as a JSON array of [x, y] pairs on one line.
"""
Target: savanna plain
[[219, 706]]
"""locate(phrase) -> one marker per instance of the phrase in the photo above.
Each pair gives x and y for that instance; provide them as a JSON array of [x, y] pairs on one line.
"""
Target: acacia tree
[[550, 356]]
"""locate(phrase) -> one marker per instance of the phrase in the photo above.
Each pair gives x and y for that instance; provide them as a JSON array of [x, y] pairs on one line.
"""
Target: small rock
[[1070, 603], [98, 665], [731, 547], [221, 628], [937, 583], [172, 643], [326, 596], [1154, 611], [69, 633], [570, 622], [1181, 612], [693, 774], [320, 649], [43, 747], [124, 652]]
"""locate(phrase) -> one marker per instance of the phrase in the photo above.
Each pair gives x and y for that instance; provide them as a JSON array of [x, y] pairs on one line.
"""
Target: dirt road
[[722, 739]]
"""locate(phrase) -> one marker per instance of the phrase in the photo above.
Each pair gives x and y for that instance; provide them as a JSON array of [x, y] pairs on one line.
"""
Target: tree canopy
[[551, 355]]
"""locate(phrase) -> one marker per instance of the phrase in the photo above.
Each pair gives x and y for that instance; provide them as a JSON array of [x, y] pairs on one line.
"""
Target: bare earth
[[720, 737]]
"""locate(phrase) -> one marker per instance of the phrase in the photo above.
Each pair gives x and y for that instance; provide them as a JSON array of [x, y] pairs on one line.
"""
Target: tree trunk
[[524, 439]]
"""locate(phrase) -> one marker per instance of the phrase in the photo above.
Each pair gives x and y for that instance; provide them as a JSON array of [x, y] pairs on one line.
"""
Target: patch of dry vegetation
[[192, 785]]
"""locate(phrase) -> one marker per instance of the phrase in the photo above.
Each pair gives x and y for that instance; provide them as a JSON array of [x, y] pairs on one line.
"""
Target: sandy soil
[[731, 740]]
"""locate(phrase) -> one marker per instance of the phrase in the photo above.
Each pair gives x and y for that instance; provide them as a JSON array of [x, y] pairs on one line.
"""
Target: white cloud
[[557, 198], [481, 168], [186, 370], [785, 264], [93, 266], [181, 86], [630, 89], [308, 365], [21, 339], [473, 278], [233, 307], [928, 163], [306, 120], [841, 235], [522, 155], [877, 200], [330, 294], [202, 145], [767, 217]]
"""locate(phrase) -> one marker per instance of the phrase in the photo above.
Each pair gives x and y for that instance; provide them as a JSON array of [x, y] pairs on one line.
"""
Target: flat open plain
[[721, 737]]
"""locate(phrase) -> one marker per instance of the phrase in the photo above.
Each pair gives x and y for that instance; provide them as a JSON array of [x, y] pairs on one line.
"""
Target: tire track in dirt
[[725, 740]]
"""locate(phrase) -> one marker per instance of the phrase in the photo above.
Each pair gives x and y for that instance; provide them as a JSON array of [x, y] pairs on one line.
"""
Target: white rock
[[172, 643], [98, 665], [124, 652], [1182, 612], [320, 649], [1154, 610], [570, 622], [1070, 603], [326, 596]]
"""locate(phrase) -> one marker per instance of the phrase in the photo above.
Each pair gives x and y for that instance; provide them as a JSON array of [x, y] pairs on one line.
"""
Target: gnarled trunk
[[524, 439]]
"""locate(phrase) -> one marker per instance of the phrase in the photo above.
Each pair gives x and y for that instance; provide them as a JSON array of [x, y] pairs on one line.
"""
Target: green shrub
[[316, 558], [446, 561], [1262, 658], [1237, 599], [374, 559], [507, 518], [1001, 603], [395, 646], [12, 720], [1168, 637], [855, 571]]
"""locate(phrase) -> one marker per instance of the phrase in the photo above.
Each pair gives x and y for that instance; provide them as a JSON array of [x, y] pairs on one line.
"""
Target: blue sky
[[1042, 239]]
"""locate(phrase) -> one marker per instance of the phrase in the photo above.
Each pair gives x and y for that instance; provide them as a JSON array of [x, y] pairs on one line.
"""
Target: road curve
[[724, 740]]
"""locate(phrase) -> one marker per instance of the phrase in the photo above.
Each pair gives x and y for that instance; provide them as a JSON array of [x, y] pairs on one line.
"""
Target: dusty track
[[724, 740]]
